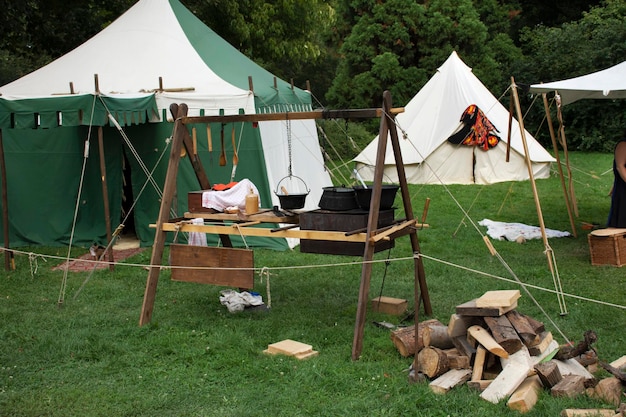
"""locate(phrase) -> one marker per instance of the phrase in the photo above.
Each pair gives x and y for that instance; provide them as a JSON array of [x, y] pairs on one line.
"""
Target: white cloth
[[236, 302], [233, 197], [512, 231], [197, 238]]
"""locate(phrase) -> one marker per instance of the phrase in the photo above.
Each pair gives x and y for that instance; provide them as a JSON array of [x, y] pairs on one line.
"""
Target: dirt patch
[[87, 261]]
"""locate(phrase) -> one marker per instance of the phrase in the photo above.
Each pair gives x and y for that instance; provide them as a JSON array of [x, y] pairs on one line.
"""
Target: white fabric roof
[[609, 83], [129, 56], [433, 114]]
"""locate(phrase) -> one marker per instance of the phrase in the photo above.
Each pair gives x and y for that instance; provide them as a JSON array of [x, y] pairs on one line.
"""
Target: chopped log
[[608, 390], [436, 335], [525, 396], [580, 412], [619, 363], [614, 371], [463, 346], [567, 351], [432, 362], [572, 367], [549, 373], [449, 380], [513, 374], [457, 326], [537, 326], [545, 339], [504, 334], [483, 337], [588, 358], [499, 298], [522, 327], [456, 360], [479, 363], [471, 309], [404, 339], [479, 385], [570, 386]]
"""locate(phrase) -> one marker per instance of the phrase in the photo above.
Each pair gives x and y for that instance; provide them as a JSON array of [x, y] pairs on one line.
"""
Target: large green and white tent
[[155, 54]]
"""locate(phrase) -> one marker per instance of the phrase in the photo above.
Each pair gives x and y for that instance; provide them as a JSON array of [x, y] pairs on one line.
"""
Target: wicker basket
[[607, 246]]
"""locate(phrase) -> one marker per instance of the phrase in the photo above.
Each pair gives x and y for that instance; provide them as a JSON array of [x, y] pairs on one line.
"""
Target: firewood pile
[[506, 355]]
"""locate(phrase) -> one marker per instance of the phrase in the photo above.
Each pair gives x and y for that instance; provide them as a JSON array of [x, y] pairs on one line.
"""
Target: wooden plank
[[449, 380], [619, 363], [389, 305], [289, 347], [264, 216], [573, 367], [587, 412], [479, 363], [483, 337], [464, 347], [503, 332], [513, 374], [210, 265], [525, 396], [545, 340], [498, 298], [471, 309]]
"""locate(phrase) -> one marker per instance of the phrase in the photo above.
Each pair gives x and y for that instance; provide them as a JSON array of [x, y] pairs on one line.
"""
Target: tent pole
[[9, 262], [105, 197], [572, 194], [520, 121], [558, 161]]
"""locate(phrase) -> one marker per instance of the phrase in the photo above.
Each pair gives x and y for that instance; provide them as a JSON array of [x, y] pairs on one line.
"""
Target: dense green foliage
[[352, 50], [90, 357]]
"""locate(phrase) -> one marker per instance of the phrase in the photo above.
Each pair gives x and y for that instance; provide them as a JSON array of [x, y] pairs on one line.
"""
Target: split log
[[619, 363], [549, 373], [456, 359], [479, 363], [522, 327], [457, 326], [598, 412], [572, 367], [525, 397], [545, 339], [432, 362], [568, 351], [479, 385], [463, 346], [504, 334], [608, 390], [483, 337], [536, 325], [436, 335], [449, 380], [614, 371], [570, 386]]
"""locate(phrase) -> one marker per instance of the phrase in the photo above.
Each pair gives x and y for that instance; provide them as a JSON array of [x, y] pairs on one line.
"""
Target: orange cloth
[[223, 187]]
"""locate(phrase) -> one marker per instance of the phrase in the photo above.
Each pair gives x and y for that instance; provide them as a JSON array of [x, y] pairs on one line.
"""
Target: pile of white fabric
[[515, 231], [238, 301]]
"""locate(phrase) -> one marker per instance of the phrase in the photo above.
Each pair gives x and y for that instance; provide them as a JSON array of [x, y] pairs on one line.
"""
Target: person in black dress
[[617, 215]]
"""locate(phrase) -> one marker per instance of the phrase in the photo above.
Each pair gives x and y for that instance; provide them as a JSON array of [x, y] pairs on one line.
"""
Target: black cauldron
[[387, 196], [338, 199]]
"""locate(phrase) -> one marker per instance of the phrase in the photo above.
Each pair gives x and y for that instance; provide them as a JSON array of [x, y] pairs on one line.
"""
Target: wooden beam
[[314, 114], [105, 197], [8, 255]]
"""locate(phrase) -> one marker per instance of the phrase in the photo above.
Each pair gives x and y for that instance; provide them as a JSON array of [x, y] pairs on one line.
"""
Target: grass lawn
[[90, 357]]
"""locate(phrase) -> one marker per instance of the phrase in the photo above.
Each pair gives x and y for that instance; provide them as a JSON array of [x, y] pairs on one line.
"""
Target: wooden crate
[[241, 260], [607, 246]]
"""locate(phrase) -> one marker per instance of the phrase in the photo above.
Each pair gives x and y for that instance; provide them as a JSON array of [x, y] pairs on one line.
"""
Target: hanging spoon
[[223, 152], [232, 138]]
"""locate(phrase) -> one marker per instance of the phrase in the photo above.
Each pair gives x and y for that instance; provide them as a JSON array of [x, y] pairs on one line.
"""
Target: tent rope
[[63, 288]]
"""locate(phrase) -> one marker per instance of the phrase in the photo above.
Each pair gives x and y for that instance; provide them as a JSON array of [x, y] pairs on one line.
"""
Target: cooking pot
[[338, 199], [364, 196]]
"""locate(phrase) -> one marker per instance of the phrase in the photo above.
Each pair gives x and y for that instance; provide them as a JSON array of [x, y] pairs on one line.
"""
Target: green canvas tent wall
[[155, 54]]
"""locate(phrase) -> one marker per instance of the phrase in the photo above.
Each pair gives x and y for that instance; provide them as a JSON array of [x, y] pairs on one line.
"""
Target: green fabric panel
[[48, 119], [234, 67], [43, 177], [24, 120]]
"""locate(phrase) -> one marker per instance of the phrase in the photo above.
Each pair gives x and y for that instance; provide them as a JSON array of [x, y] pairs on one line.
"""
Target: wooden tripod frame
[[370, 237]]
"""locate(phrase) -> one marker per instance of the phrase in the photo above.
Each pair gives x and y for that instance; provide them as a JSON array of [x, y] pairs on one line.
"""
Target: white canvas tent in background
[[609, 83], [433, 115]]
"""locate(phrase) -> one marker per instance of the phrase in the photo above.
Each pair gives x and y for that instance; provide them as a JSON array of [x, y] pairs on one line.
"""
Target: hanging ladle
[[232, 138], [223, 152]]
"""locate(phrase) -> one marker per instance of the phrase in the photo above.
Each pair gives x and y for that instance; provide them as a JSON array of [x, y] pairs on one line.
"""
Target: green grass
[[90, 357]]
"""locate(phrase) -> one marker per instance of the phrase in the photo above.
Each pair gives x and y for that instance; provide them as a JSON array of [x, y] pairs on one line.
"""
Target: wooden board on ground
[[290, 347], [449, 380], [471, 309], [619, 363], [500, 298], [210, 265], [589, 412]]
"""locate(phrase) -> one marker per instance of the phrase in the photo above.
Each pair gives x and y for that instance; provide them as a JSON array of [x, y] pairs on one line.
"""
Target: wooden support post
[[159, 237], [105, 197]]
